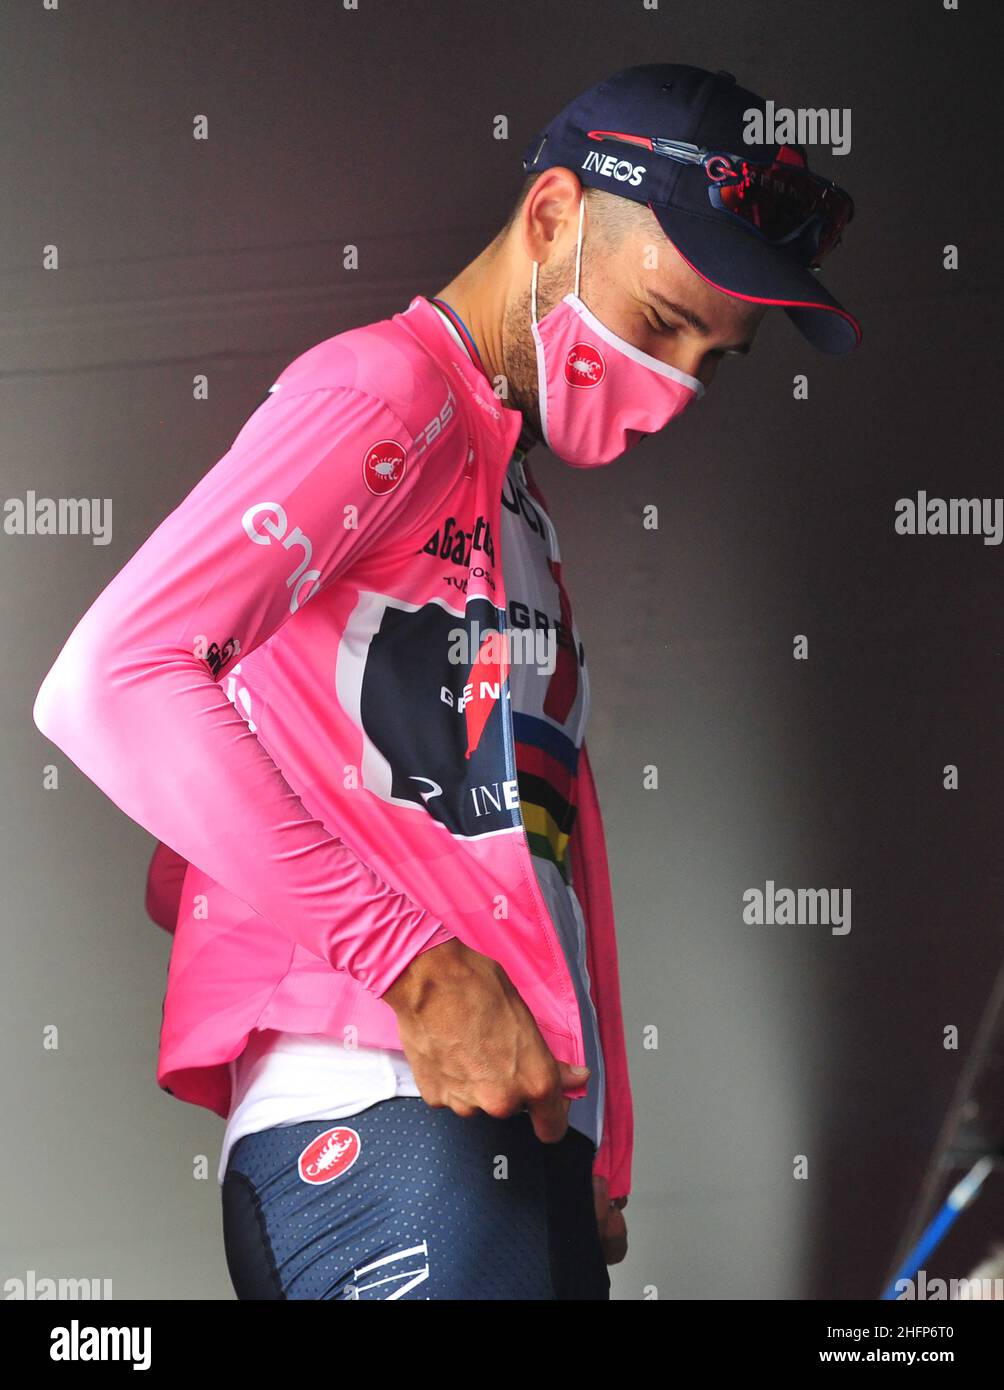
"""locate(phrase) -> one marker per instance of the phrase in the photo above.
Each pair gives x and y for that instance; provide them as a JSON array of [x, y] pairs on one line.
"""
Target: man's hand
[[610, 1220], [474, 1045]]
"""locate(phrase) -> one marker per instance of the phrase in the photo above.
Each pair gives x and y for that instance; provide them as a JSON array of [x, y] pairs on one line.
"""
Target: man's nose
[[696, 362]]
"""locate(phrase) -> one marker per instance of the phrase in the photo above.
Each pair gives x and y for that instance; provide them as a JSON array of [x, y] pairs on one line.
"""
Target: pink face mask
[[598, 394]]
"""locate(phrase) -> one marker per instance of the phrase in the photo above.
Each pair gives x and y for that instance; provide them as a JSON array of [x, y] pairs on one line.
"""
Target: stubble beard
[[519, 353]]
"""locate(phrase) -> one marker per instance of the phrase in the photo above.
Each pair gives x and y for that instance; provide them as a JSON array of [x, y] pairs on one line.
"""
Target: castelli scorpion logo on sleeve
[[329, 1155], [584, 365], [383, 466]]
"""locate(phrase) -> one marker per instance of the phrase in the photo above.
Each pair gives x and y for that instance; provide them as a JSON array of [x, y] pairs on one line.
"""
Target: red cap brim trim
[[761, 299]]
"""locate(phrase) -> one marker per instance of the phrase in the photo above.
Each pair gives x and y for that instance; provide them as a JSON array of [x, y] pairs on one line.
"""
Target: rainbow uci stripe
[[546, 768]]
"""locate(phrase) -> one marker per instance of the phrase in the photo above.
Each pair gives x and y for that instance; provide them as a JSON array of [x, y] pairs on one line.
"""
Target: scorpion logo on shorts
[[329, 1155], [584, 366]]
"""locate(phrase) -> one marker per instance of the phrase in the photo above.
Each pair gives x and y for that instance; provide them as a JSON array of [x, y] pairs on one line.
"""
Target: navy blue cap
[[678, 102]]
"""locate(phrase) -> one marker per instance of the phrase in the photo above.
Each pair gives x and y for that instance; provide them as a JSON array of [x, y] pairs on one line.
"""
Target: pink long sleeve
[[132, 701]]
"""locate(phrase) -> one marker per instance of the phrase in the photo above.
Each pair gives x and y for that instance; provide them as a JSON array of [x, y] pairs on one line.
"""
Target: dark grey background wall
[[179, 256]]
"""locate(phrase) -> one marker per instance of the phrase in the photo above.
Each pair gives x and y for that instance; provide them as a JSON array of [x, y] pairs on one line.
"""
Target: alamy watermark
[[798, 906], [35, 1286], [782, 125], [59, 516], [938, 1290], [526, 646], [951, 516], [83, 1343]]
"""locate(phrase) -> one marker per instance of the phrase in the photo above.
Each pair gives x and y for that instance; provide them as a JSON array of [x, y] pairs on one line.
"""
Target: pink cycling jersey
[[272, 687], [287, 1078]]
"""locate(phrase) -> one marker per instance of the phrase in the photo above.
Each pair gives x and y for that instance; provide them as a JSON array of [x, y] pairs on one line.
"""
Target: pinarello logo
[[329, 1155], [584, 366], [383, 466]]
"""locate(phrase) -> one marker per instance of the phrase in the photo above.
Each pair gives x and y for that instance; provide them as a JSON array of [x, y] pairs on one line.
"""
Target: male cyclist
[[394, 970]]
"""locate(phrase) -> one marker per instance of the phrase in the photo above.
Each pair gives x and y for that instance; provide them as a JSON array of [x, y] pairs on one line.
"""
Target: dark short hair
[[614, 215]]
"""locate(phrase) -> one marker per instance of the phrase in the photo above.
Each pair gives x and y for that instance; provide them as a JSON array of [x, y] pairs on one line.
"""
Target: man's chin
[[605, 463]]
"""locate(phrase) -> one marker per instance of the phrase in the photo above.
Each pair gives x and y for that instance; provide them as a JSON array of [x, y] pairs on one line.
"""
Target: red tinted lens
[[832, 228], [778, 201]]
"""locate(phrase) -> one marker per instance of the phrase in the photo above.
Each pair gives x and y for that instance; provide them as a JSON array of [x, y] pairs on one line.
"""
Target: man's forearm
[[434, 965]]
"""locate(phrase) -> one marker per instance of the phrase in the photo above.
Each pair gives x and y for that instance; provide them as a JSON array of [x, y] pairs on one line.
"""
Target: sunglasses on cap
[[782, 202]]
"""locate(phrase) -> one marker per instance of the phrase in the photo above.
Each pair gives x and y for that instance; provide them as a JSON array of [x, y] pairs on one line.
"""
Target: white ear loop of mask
[[578, 262]]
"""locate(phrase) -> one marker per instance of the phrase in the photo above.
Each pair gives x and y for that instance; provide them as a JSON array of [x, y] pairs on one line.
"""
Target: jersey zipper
[[558, 959], [574, 635], [561, 965]]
